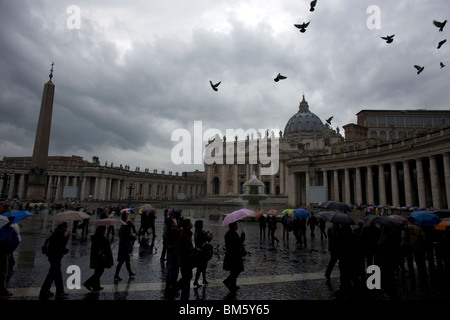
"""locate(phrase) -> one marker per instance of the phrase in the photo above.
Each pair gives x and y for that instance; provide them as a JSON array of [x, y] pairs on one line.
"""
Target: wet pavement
[[283, 272]]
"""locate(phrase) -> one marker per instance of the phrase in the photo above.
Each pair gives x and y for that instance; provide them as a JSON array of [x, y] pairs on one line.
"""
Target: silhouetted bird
[[214, 86], [440, 25], [441, 43], [329, 120], [279, 77], [313, 5], [419, 68], [388, 39], [302, 26], [442, 65]]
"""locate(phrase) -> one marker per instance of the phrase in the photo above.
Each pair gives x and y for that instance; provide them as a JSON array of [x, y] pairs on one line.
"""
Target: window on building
[[409, 121], [372, 120], [418, 121], [149, 190], [327, 142], [381, 121], [383, 135], [390, 121], [401, 135], [216, 169], [373, 134], [242, 168]]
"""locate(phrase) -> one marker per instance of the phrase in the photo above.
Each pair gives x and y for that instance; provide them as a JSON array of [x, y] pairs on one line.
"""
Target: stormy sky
[[134, 71]]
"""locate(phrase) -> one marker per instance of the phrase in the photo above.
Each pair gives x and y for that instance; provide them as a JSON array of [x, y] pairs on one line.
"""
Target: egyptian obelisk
[[37, 178]]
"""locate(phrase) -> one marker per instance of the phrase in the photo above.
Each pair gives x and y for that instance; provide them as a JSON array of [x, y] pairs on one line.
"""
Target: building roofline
[[404, 111]]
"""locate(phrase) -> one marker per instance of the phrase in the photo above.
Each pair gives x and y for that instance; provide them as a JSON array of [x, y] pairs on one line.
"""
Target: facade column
[[281, 178], [394, 186], [223, 184], [381, 185], [208, 180], [447, 177], [307, 184], [347, 195], [336, 185], [49, 189], [358, 187], [21, 192], [96, 187], [12, 182], [272, 184], [236, 180], [292, 190], [83, 195], [421, 184], [435, 186], [407, 182], [370, 192], [325, 183], [58, 188]]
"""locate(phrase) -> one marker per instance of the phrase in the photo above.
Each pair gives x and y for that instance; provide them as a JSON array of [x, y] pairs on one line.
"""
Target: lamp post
[[5, 176]]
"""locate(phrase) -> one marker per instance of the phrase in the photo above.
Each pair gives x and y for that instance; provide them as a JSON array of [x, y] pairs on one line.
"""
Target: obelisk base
[[36, 187]]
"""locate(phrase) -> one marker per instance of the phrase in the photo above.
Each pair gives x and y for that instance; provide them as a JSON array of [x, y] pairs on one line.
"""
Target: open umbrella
[[335, 205], [383, 221], [443, 213], [442, 225], [236, 215], [126, 210], [3, 220], [147, 209], [288, 211], [18, 215], [272, 211], [425, 218], [398, 218], [175, 212], [70, 215], [108, 222], [301, 213], [336, 217]]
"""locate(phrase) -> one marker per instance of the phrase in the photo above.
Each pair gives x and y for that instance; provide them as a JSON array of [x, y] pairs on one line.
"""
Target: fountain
[[254, 193]]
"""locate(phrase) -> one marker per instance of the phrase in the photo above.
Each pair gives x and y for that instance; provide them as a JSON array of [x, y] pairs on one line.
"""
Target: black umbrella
[[383, 221], [336, 217], [335, 205], [443, 213]]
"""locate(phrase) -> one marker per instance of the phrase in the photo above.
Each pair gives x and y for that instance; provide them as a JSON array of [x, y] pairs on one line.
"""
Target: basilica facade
[[389, 157]]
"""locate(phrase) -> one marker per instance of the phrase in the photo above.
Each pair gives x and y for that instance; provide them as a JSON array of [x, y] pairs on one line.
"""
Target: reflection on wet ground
[[283, 272]]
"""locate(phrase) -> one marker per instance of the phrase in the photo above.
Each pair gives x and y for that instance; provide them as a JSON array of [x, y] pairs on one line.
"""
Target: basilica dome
[[303, 121]]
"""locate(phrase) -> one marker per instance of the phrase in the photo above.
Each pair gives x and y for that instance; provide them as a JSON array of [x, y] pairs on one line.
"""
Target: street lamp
[[5, 176], [130, 187]]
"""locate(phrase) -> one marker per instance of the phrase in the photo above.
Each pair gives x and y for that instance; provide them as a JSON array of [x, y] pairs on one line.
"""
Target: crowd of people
[[187, 246]]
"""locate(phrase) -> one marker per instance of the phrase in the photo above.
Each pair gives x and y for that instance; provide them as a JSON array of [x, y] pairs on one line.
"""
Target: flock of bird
[[389, 39]]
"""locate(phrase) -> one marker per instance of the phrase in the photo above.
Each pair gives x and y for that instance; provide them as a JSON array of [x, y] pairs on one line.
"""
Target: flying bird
[[214, 86], [388, 39], [419, 68], [441, 43], [442, 65], [302, 26], [279, 77], [329, 120], [440, 25], [313, 5]]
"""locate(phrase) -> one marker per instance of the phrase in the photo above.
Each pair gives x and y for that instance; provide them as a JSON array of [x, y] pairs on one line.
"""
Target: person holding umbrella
[[233, 261], [55, 252], [127, 238], [101, 258], [8, 243]]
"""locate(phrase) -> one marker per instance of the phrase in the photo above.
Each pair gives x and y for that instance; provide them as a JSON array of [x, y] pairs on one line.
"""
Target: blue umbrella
[[425, 218], [301, 213], [18, 215]]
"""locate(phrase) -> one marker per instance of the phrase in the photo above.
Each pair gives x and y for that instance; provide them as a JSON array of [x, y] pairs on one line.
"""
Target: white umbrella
[[3, 220]]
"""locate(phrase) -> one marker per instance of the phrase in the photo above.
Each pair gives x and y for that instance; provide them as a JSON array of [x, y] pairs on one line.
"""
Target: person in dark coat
[[233, 261], [302, 232], [164, 236], [202, 241], [272, 228], [322, 225], [172, 255], [262, 226], [284, 222], [56, 250], [332, 248], [101, 258], [126, 242], [9, 241], [186, 250], [312, 223]]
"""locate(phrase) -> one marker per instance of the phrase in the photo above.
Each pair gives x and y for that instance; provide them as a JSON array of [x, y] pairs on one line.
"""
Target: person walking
[[172, 255], [202, 241], [322, 226], [233, 261], [333, 245], [284, 222], [101, 257], [111, 229], [262, 227], [9, 241], [164, 237], [186, 254], [414, 237], [126, 241], [272, 229], [302, 231], [56, 249], [312, 223]]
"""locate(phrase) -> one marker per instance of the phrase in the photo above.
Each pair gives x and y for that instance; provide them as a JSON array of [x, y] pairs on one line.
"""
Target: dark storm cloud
[[134, 73]]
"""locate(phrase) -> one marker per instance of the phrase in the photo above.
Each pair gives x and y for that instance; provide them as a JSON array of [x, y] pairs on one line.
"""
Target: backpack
[[44, 248]]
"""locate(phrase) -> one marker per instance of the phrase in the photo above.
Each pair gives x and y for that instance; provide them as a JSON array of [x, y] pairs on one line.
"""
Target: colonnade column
[[370, 191], [407, 181], [358, 186], [336, 185], [421, 184], [435, 187], [394, 186], [447, 177], [347, 195], [381, 185]]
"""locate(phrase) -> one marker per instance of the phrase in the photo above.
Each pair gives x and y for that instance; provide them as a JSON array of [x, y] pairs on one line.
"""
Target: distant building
[[94, 181]]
